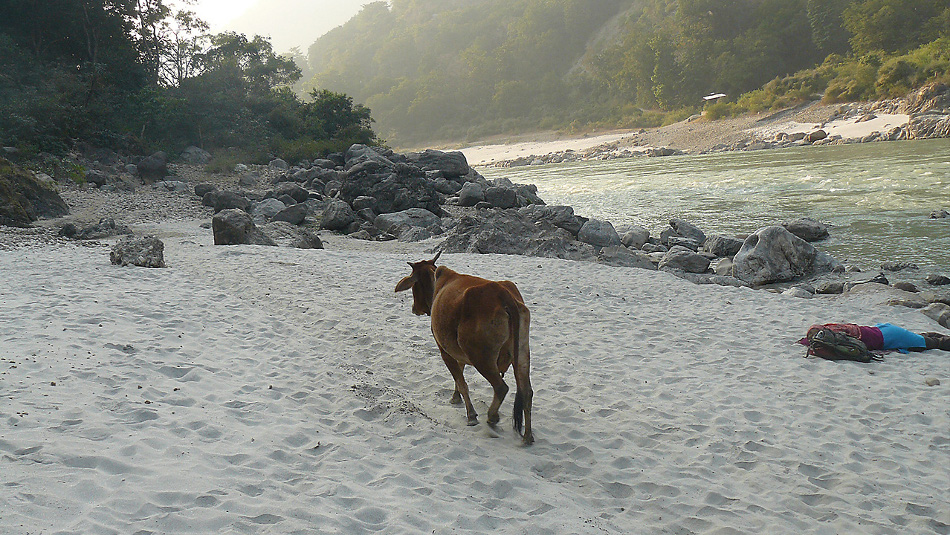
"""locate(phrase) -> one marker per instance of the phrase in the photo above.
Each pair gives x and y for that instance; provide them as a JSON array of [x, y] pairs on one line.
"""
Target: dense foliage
[[464, 69], [131, 74]]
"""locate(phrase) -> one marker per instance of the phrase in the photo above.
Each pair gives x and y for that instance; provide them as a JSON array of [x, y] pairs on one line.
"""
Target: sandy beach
[[695, 136], [248, 389]]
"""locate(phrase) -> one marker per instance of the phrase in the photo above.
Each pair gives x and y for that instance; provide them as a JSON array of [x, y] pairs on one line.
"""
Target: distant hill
[[294, 23], [437, 70]]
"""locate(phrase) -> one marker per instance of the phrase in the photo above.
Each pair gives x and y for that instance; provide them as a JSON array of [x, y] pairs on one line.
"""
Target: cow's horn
[[437, 255]]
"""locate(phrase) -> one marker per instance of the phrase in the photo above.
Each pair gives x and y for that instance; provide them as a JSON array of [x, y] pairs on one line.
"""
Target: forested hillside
[[457, 69], [136, 76]]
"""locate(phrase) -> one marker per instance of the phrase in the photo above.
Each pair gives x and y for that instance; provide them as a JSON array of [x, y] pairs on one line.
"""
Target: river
[[876, 198]]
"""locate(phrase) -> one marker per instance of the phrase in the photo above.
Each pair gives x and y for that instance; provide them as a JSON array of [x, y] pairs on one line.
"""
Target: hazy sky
[[218, 13], [288, 23]]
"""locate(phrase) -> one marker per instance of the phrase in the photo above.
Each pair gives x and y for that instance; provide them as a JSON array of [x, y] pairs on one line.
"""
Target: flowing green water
[[875, 197]]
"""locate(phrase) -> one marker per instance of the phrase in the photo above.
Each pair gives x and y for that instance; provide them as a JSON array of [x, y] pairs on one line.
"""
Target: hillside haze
[[294, 23], [440, 70]]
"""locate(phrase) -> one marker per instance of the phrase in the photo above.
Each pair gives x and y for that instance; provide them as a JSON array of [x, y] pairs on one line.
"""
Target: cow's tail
[[519, 361]]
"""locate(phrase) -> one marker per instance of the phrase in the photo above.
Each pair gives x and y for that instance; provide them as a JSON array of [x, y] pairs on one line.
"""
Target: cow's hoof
[[473, 421]]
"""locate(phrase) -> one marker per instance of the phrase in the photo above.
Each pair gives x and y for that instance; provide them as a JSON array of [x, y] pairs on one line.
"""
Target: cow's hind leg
[[456, 396], [501, 390], [461, 387]]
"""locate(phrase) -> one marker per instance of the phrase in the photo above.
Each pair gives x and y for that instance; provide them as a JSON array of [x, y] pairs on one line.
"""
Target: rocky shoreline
[[924, 114], [374, 196]]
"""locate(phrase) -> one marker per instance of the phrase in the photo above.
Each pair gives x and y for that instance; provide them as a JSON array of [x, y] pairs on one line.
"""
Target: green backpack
[[832, 345]]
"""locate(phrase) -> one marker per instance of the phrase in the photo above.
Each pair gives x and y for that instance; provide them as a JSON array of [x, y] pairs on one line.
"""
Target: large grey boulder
[[153, 168], [807, 229], [294, 214], [722, 246], [501, 197], [471, 194], [687, 230], [195, 156], [23, 199], [366, 159], [774, 254], [235, 227], [508, 232], [226, 200], [599, 234], [267, 209], [619, 256], [105, 228], [635, 237], [337, 216], [288, 235], [451, 164], [683, 259], [396, 222], [147, 251], [559, 216]]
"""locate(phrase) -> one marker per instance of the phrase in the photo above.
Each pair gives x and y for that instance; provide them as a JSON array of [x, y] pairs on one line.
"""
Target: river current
[[876, 198]]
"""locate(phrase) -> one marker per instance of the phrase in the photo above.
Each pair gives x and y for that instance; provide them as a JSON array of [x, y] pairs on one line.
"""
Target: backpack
[[832, 345]]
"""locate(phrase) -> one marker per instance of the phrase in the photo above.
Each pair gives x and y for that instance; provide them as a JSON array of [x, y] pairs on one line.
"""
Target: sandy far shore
[[695, 136], [263, 390]]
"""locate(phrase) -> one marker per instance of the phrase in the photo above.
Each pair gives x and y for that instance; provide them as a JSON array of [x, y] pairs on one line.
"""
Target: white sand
[[486, 154], [263, 390], [849, 128]]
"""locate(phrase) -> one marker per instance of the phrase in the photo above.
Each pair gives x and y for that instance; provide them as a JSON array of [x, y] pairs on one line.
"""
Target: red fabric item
[[871, 336]]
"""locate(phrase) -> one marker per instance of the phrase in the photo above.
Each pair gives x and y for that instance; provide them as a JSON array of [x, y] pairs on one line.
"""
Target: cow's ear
[[405, 283]]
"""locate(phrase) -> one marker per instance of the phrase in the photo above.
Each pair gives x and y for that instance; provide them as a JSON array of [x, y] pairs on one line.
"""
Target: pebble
[[932, 381]]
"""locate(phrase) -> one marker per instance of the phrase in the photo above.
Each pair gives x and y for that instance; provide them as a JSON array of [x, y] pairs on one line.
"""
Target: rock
[[97, 178], [817, 135], [471, 194], [722, 246], [23, 199], [906, 286], [291, 189], [679, 241], [249, 180], [620, 256], [366, 159], [204, 188], [278, 164], [774, 254], [294, 214], [939, 214], [147, 251], [233, 226], [559, 216], [288, 235], [338, 215], [829, 287], [500, 197], [397, 222], [722, 267], [796, 291], [932, 381], [807, 229], [175, 186], [509, 232], [898, 266], [153, 168], [226, 200], [683, 259], [267, 209], [635, 237], [451, 164], [939, 312], [938, 280], [323, 164], [599, 234], [687, 230], [195, 156], [105, 228]]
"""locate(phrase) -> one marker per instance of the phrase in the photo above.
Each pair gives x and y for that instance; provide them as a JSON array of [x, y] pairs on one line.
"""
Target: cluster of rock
[[605, 151], [147, 251], [369, 193], [928, 111], [24, 198]]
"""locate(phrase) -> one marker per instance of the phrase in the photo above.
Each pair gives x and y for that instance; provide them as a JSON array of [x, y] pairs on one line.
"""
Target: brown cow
[[477, 322]]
